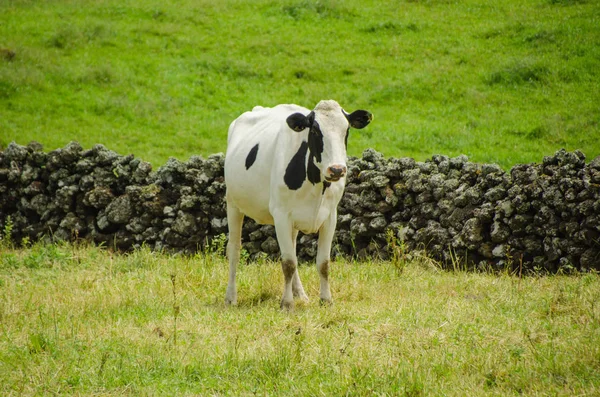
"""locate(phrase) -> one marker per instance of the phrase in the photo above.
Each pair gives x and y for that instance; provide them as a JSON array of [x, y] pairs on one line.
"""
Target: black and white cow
[[286, 166]]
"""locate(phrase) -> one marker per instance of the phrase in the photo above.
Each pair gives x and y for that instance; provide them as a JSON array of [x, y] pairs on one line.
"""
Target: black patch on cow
[[312, 171], [315, 141], [251, 158], [346, 138], [295, 173], [325, 186]]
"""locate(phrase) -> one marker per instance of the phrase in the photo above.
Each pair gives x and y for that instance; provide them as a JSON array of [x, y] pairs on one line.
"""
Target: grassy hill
[[503, 82]]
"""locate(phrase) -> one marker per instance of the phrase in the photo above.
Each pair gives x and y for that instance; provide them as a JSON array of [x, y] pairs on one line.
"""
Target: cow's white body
[[261, 191], [265, 183]]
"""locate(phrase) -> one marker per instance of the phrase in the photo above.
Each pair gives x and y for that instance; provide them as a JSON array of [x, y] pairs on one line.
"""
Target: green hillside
[[503, 82]]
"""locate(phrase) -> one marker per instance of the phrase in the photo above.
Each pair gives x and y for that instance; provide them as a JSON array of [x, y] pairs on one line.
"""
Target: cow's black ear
[[299, 122], [359, 119]]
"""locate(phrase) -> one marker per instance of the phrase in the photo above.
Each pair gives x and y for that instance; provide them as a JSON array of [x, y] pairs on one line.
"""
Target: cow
[[286, 166]]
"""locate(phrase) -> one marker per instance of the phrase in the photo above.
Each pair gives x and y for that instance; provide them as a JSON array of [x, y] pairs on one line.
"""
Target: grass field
[[503, 82], [86, 321]]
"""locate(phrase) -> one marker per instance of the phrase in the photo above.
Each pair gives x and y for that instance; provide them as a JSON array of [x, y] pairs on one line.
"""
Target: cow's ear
[[298, 122], [359, 118]]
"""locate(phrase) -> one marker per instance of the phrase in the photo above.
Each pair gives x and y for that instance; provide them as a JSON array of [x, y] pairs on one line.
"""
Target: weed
[[398, 251], [6, 238], [176, 307], [509, 261], [245, 256], [26, 242], [459, 264], [566, 267], [216, 246]]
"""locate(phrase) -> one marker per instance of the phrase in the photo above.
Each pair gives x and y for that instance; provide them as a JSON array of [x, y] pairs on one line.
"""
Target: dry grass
[[86, 321]]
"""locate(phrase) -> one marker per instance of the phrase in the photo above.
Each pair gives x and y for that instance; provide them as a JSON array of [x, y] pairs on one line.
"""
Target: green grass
[[86, 321], [503, 82]]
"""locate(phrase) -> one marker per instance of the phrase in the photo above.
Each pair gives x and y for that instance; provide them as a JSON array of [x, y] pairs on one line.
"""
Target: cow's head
[[329, 126]]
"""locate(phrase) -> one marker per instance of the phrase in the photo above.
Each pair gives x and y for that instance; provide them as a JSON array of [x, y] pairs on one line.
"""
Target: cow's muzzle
[[335, 173]]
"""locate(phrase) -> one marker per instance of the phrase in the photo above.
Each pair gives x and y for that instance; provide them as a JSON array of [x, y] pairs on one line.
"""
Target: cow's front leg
[[323, 256], [235, 220], [285, 234], [297, 288]]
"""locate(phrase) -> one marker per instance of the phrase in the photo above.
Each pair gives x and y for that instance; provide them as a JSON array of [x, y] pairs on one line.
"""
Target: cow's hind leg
[[235, 220], [297, 288]]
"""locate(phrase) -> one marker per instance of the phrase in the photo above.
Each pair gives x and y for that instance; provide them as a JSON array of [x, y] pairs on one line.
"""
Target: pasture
[[502, 82], [86, 321]]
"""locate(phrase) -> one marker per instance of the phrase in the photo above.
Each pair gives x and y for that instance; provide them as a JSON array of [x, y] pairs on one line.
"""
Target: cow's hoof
[[231, 295], [304, 298], [287, 306], [326, 302], [231, 301]]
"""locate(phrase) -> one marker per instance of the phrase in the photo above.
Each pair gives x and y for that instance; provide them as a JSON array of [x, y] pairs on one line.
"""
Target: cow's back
[[254, 143]]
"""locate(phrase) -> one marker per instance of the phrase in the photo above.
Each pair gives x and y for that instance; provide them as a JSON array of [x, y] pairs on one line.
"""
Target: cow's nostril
[[337, 170]]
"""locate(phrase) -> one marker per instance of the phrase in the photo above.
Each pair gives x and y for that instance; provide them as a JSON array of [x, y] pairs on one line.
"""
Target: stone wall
[[540, 216]]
